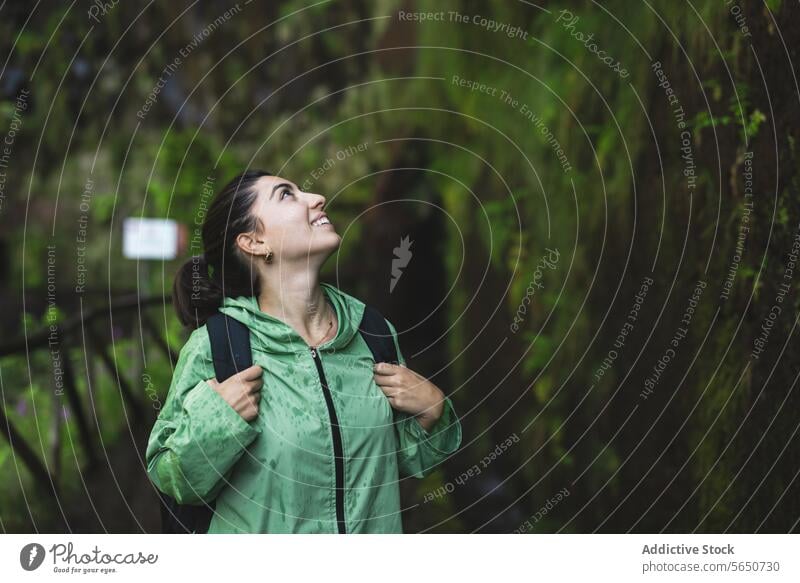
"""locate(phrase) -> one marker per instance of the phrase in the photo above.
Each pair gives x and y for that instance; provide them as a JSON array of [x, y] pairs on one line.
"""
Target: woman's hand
[[409, 392], [242, 391]]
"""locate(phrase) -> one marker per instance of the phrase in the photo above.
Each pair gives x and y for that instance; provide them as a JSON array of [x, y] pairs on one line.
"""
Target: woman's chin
[[328, 244], [336, 241], [326, 238]]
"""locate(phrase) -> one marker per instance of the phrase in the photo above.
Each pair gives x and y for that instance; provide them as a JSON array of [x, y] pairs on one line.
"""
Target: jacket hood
[[273, 335]]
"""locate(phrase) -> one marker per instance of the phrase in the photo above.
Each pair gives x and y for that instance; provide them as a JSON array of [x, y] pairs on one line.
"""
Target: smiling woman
[[324, 449]]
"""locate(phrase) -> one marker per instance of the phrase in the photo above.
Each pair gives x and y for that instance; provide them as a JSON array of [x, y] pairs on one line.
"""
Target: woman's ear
[[250, 244]]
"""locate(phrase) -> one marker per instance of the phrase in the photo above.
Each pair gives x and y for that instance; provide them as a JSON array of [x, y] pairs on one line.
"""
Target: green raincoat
[[278, 473]]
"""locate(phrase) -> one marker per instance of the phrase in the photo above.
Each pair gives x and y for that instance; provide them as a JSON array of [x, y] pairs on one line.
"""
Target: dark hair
[[204, 280]]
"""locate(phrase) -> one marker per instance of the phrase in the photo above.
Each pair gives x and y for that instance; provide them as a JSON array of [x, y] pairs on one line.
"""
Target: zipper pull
[[313, 352]]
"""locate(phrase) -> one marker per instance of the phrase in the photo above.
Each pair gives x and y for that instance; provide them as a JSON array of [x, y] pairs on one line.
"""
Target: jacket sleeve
[[419, 450], [198, 436]]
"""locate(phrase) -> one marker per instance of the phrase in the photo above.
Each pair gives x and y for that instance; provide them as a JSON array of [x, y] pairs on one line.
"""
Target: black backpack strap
[[184, 518], [230, 351], [376, 333], [230, 345]]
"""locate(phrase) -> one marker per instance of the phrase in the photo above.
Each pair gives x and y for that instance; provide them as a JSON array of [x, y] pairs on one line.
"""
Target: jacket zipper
[[338, 451]]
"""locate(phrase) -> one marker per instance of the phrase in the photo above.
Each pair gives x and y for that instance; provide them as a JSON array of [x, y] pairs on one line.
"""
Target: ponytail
[[195, 295], [203, 281]]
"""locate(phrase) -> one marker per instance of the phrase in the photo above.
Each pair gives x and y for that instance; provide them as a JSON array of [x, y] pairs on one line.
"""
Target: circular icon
[[31, 556]]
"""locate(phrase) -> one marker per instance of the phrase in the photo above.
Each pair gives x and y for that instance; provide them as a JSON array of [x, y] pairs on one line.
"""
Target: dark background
[[600, 171]]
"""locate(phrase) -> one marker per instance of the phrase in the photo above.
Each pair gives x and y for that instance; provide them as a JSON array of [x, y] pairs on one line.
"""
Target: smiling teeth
[[322, 221]]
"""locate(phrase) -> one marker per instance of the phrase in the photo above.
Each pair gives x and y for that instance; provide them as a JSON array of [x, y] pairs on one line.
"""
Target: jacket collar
[[270, 334]]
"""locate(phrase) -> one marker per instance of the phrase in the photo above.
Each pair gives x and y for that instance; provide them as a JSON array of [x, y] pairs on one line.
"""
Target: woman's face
[[295, 225]]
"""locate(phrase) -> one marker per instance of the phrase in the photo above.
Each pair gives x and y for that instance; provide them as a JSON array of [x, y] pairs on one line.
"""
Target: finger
[[250, 374], [395, 401], [385, 368], [386, 380], [240, 383], [389, 391], [213, 382]]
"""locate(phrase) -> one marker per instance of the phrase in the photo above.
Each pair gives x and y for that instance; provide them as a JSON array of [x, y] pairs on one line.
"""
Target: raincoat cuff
[[206, 406], [445, 435]]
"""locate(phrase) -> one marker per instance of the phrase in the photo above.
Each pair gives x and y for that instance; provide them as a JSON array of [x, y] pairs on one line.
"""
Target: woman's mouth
[[323, 220]]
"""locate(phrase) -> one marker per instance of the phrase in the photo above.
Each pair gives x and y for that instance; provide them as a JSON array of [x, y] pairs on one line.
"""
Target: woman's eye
[[284, 191]]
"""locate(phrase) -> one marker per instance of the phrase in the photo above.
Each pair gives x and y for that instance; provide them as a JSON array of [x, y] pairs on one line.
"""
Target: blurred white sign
[[149, 239]]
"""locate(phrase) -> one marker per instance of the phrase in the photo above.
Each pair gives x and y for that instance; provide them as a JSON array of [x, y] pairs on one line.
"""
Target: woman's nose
[[317, 200]]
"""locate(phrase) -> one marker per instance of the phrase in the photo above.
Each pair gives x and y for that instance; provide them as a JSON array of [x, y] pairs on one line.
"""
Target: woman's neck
[[299, 301]]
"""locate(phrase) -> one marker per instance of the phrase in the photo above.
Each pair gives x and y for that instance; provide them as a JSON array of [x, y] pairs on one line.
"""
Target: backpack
[[230, 351]]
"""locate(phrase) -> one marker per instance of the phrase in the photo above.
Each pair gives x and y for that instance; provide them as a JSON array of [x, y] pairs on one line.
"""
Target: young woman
[[263, 444]]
